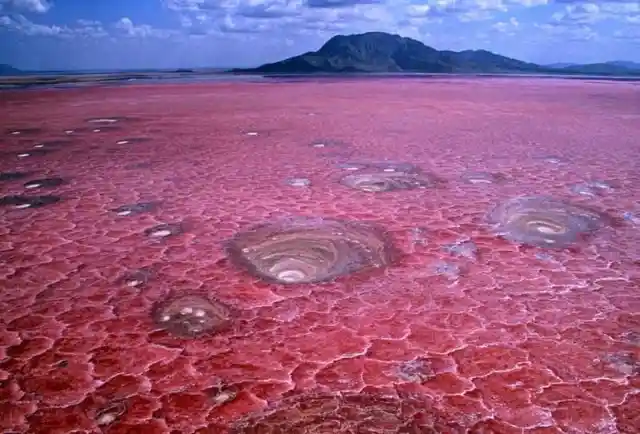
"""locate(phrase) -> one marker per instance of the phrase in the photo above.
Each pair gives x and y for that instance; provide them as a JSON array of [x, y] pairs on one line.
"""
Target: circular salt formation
[[390, 166], [111, 413], [327, 143], [544, 222], [298, 182], [44, 183], [387, 181], [132, 140], [22, 131], [52, 144], [20, 202], [584, 190], [104, 121], [37, 152], [164, 230], [135, 208], [136, 278], [591, 188], [307, 250], [482, 178], [13, 176], [554, 159], [352, 167], [191, 316], [345, 413]]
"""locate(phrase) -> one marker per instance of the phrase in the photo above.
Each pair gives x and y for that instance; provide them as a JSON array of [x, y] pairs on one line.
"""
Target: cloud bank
[[579, 30]]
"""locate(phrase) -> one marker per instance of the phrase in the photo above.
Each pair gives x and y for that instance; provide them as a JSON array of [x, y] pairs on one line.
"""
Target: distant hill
[[383, 52], [616, 67], [9, 70], [560, 65], [626, 64], [378, 52]]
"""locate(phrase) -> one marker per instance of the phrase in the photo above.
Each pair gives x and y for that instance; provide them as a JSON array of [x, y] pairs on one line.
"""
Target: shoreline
[[89, 79]]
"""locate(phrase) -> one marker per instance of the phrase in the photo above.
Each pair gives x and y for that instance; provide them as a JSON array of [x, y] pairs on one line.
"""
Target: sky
[[138, 34]]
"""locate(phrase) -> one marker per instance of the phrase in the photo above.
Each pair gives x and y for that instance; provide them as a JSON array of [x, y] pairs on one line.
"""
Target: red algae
[[515, 340], [347, 413]]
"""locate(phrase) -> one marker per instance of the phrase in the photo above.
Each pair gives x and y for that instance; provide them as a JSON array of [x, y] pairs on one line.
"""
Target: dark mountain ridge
[[9, 70], [378, 52]]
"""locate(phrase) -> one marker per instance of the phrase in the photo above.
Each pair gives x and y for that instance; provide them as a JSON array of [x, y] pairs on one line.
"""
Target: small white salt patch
[[106, 419], [546, 230], [36, 185], [38, 146], [161, 233], [224, 397], [125, 212], [122, 142], [299, 182], [199, 313], [631, 217], [97, 130], [23, 205], [252, 133], [291, 276], [23, 155]]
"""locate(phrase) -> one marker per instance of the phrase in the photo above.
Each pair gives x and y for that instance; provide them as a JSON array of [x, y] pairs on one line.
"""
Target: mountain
[[378, 52], [625, 64], [617, 67], [605, 68], [560, 65], [383, 52], [9, 70]]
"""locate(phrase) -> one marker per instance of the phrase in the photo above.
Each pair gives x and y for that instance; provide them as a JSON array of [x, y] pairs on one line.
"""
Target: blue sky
[[129, 34]]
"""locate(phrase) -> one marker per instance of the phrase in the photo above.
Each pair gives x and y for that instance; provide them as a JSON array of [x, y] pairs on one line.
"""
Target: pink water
[[500, 339]]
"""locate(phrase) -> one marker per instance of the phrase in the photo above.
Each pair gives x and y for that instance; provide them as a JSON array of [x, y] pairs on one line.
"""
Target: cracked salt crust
[[514, 348]]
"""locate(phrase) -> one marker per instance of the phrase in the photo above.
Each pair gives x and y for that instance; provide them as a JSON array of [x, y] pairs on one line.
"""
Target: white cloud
[[507, 27], [304, 23], [36, 6], [126, 27], [21, 24], [628, 34], [18, 23], [581, 13], [569, 33], [405, 16]]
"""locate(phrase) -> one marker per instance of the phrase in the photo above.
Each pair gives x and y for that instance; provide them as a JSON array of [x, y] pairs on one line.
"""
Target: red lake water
[[364, 256]]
